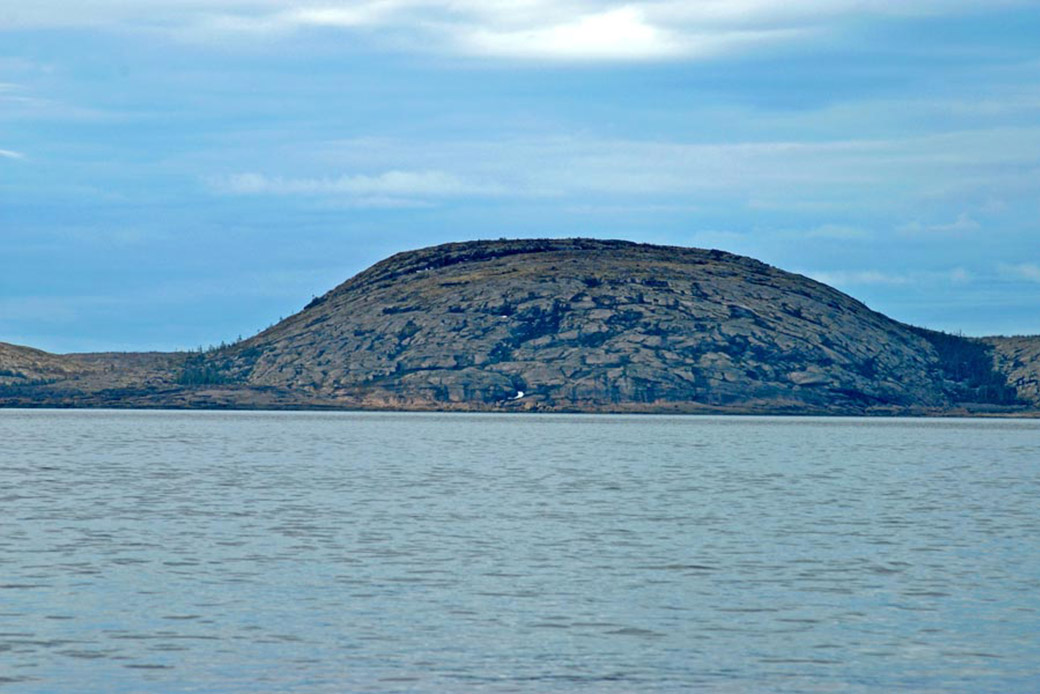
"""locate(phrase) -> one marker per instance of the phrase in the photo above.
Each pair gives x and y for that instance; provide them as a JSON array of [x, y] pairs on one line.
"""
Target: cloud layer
[[960, 168], [553, 30]]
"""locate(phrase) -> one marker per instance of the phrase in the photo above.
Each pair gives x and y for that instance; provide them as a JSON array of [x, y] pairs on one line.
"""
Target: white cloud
[[17, 102], [220, 24], [751, 242], [14, 64], [1022, 271], [635, 208], [845, 278], [517, 29], [11, 154], [617, 33], [783, 175], [14, 95], [835, 231], [874, 277], [385, 188], [621, 33], [766, 12], [963, 223]]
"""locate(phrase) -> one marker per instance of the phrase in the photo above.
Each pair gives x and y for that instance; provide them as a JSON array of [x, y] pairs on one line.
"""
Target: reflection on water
[[291, 552]]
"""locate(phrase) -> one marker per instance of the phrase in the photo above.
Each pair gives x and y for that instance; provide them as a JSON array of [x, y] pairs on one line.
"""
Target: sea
[[265, 552]]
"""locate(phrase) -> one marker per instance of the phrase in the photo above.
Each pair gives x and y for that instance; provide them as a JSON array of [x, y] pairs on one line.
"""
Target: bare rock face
[[587, 324], [1019, 359], [562, 325]]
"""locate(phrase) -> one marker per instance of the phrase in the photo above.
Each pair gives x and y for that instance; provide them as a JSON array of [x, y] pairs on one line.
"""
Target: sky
[[178, 173]]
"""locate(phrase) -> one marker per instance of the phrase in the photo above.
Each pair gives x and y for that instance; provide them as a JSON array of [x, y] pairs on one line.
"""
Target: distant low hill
[[564, 325], [24, 365]]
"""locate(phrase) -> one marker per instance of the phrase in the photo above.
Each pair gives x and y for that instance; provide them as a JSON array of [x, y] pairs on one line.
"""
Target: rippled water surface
[[312, 552]]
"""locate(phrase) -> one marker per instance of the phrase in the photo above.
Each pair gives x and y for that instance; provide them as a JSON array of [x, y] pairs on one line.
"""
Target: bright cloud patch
[[622, 34], [626, 33]]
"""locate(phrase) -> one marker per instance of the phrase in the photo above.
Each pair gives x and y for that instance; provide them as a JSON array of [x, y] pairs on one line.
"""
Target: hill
[[578, 325], [26, 366]]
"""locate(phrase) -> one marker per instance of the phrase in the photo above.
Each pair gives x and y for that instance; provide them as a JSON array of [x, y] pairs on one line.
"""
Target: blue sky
[[176, 173]]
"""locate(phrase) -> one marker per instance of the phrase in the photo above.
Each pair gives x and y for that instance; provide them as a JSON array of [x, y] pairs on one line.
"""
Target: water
[[312, 552]]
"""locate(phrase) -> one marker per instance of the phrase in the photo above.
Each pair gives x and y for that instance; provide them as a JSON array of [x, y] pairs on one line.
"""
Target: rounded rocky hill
[[581, 324]]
